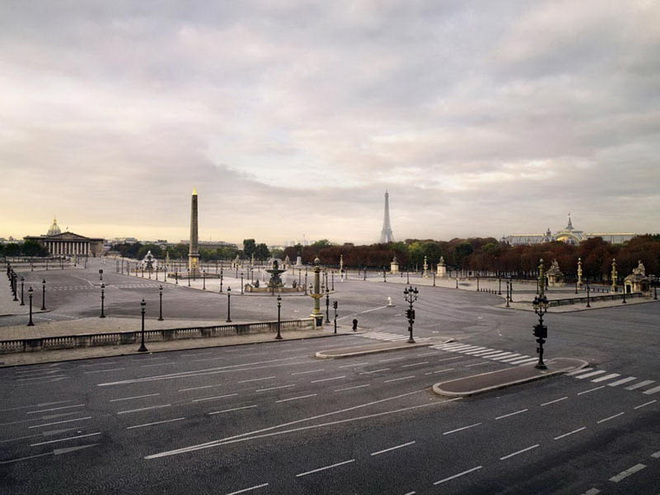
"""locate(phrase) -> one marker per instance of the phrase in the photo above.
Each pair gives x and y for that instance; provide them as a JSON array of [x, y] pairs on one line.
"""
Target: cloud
[[293, 118]]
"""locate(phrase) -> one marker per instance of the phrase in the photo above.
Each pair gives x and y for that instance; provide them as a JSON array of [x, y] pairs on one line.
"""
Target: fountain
[[275, 283]]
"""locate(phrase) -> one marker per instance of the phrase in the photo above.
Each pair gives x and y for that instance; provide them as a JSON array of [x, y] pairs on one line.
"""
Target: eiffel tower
[[386, 235]]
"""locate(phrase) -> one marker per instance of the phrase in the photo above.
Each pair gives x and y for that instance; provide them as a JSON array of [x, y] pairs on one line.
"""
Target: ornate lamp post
[[228, 304], [579, 272], [160, 303], [30, 323], [142, 348], [507, 294], [203, 279], [499, 286], [279, 321], [102, 301], [316, 294], [614, 275], [14, 285], [22, 294], [327, 305], [588, 295], [43, 295], [540, 305], [334, 305], [241, 283], [222, 273], [410, 296], [541, 281]]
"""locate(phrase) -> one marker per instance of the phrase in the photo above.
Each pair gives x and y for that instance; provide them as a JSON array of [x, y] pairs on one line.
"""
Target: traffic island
[[494, 380], [363, 350]]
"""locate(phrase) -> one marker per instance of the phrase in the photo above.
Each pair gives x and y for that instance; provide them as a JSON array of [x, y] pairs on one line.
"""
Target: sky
[[293, 118]]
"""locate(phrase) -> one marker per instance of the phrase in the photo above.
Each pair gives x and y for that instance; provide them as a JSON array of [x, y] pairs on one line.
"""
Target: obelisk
[[193, 252]]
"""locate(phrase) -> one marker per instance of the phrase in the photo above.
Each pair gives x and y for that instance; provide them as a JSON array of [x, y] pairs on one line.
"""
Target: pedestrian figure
[[355, 322]]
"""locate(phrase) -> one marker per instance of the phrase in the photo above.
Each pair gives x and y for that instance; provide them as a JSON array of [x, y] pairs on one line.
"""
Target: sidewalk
[[485, 382]]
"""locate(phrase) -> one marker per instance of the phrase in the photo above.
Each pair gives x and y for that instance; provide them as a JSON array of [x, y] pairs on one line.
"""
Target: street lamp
[[228, 304], [241, 283], [588, 295], [142, 348], [160, 303], [22, 287], [540, 305], [334, 305], [410, 296], [102, 301], [203, 279], [30, 323], [221, 278], [507, 294], [43, 295], [101, 275], [279, 309], [327, 305]]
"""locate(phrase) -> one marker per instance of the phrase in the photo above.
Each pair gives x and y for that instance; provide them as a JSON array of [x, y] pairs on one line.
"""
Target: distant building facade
[[568, 235], [67, 243]]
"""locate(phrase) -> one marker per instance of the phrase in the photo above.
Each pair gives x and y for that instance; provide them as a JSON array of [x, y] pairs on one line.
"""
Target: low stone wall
[[119, 338], [583, 300]]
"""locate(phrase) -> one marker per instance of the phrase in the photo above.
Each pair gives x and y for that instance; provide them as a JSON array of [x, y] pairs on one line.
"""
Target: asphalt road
[[271, 418]]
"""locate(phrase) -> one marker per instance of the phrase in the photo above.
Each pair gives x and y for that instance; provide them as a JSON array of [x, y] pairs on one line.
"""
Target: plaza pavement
[[470, 385]]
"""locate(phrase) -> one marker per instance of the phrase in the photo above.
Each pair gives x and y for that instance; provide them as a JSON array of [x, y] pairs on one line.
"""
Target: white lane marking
[[519, 452], [591, 491], [578, 371], [244, 490], [10, 461], [258, 379], [439, 371], [494, 355], [352, 388], [102, 371], [622, 381], [606, 377], [511, 358], [199, 388], [553, 401], [129, 411], [328, 379], [45, 378], [390, 359], [656, 455], [393, 448], [512, 414], [253, 434], [640, 384], [295, 398], [414, 364], [460, 429], [61, 422], [133, 397], [204, 372], [324, 468], [68, 450], [590, 374], [627, 472], [524, 361], [570, 433], [204, 399], [482, 352], [43, 404], [502, 357], [458, 475], [652, 391], [646, 404], [611, 417], [55, 409], [590, 390], [375, 371], [399, 379], [65, 439], [352, 365], [275, 388], [232, 409], [307, 372], [154, 423]]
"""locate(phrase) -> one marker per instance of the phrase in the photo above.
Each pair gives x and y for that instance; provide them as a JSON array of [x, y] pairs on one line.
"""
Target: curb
[[437, 388], [364, 352]]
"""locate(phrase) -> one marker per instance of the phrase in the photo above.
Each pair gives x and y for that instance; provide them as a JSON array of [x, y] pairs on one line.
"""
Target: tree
[[261, 252], [249, 245]]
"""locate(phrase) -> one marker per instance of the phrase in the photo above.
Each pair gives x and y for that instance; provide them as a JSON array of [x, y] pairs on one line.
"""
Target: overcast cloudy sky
[[292, 118]]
